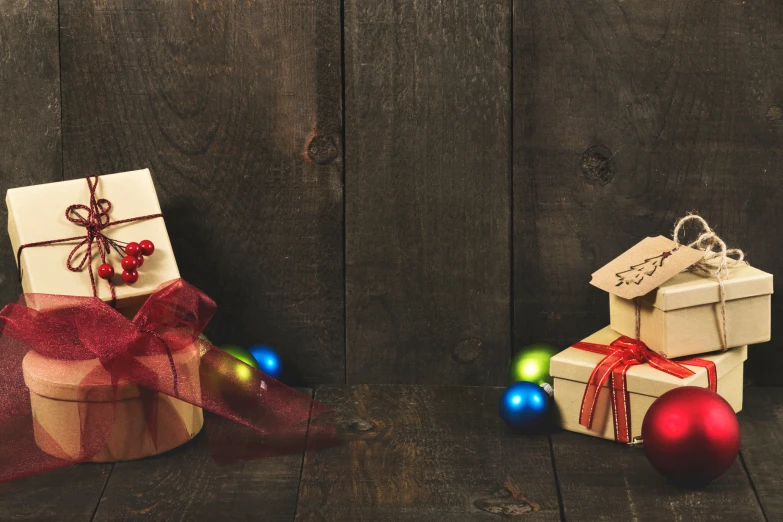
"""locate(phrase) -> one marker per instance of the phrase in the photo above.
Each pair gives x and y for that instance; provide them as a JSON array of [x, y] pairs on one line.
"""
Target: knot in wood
[[468, 350], [775, 113], [322, 150], [598, 164], [362, 425]]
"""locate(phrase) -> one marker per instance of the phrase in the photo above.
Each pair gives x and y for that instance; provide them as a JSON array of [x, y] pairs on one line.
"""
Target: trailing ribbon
[[142, 351], [620, 356], [96, 220]]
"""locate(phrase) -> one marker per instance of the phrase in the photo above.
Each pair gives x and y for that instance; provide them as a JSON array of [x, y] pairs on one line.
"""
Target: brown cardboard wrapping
[[571, 369], [681, 317], [37, 213], [59, 400]]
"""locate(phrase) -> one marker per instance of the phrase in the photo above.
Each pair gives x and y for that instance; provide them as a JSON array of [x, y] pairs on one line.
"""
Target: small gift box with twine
[[686, 299]]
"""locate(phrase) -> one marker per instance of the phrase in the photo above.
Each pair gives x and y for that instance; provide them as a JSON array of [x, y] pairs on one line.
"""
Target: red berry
[[140, 259], [130, 263], [106, 271], [132, 249], [147, 247], [130, 276]]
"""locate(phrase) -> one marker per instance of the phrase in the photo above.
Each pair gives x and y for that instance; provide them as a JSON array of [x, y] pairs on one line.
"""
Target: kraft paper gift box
[[37, 213], [58, 396], [682, 316], [60, 399], [572, 367]]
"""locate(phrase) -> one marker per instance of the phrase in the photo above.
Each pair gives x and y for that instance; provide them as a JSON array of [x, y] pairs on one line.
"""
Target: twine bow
[[622, 354], [96, 220]]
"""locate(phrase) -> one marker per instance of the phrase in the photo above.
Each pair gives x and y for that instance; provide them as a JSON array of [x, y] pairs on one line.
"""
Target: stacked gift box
[[692, 329]]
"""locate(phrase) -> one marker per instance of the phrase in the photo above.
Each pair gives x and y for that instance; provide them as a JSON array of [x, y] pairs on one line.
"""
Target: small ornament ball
[[532, 364], [691, 435], [524, 406], [267, 359], [240, 353]]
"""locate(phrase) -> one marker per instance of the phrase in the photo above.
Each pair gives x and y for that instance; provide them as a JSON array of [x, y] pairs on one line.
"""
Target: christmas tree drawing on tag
[[644, 267]]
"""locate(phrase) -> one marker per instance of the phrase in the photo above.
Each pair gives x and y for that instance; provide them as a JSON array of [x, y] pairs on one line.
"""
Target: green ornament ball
[[531, 364], [240, 353]]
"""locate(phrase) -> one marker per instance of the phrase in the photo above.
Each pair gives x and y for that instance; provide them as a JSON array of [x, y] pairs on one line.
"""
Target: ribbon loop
[[619, 356]]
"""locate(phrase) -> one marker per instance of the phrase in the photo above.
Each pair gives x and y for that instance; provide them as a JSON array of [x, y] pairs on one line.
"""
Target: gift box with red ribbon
[[97, 368], [604, 384]]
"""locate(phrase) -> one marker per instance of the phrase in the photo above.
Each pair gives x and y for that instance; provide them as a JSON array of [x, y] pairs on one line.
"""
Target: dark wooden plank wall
[[614, 120], [427, 191], [628, 115], [236, 108]]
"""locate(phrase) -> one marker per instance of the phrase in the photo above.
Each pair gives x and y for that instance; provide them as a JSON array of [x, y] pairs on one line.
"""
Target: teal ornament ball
[[524, 406], [531, 364]]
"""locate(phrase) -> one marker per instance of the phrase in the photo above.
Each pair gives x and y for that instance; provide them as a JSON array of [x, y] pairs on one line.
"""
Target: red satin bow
[[621, 355], [140, 351]]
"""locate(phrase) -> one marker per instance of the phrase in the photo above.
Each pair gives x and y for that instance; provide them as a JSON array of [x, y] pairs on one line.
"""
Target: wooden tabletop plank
[[762, 446], [603, 480], [415, 453], [65, 495], [187, 484], [235, 106], [30, 142], [427, 106]]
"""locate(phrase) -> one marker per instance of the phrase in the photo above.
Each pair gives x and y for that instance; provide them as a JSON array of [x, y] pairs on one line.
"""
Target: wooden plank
[[63, 495], [762, 446], [603, 480], [626, 116], [425, 453], [235, 106], [30, 142], [427, 191], [187, 484]]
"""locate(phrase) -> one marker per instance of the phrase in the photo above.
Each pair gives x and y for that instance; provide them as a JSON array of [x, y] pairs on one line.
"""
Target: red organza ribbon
[[621, 355], [142, 351]]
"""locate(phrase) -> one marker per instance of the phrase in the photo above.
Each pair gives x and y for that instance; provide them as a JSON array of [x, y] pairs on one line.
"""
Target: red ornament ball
[[106, 271], [130, 263], [133, 249], [147, 247], [691, 435], [130, 276], [140, 259]]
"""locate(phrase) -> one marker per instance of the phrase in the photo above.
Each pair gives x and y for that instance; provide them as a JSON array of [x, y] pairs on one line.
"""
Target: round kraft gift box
[[60, 398]]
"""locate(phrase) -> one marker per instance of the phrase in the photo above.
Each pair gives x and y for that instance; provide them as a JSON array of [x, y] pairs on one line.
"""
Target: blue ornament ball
[[524, 406], [267, 359]]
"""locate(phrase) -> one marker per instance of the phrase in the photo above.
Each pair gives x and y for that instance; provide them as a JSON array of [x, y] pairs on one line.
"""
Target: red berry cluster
[[134, 258]]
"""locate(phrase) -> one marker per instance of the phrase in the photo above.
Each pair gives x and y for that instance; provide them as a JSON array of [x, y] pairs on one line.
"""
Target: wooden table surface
[[417, 453]]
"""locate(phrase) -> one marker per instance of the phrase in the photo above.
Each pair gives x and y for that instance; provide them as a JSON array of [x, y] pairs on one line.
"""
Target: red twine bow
[[65, 328], [621, 355], [96, 220]]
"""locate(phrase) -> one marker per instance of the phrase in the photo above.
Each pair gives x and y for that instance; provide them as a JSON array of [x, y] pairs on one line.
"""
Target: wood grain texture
[[626, 116], [425, 453], [603, 480], [762, 446], [64, 495], [187, 484], [235, 106], [30, 142], [427, 191]]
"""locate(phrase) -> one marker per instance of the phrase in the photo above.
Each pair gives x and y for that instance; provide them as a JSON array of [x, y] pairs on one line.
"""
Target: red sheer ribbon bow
[[159, 350], [621, 355]]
